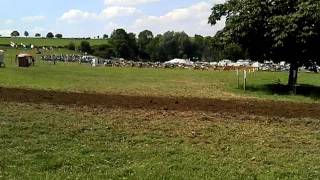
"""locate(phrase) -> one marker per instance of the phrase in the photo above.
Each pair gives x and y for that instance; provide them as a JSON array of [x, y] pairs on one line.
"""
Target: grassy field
[[50, 42], [57, 142], [11, 53], [154, 82], [42, 141]]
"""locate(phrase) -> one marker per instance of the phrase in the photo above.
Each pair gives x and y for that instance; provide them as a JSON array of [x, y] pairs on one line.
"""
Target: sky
[[89, 18]]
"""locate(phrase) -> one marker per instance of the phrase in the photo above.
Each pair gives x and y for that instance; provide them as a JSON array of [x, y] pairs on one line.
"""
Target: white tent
[[213, 63], [241, 62], [180, 61], [282, 63], [225, 62], [256, 65]]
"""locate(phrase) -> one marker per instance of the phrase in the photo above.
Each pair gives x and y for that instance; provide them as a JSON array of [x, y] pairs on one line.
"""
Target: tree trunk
[[293, 78]]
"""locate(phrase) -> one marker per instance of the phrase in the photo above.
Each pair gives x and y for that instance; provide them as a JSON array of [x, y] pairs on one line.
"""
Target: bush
[[59, 36], [85, 47], [104, 51], [71, 46]]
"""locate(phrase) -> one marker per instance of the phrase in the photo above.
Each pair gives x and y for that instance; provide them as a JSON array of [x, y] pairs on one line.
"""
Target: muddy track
[[253, 107]]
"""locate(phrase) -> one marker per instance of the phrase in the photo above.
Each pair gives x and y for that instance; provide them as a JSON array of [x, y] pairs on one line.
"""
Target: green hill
[[5, 41]]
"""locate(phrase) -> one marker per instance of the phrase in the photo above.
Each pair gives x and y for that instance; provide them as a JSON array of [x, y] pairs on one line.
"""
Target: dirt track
[[254, 107]]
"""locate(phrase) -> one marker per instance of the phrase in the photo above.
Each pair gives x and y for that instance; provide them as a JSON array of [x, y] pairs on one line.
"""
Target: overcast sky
[[83, 18]]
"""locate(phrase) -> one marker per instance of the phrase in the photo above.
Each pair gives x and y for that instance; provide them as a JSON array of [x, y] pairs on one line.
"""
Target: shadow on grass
[[281, 89]]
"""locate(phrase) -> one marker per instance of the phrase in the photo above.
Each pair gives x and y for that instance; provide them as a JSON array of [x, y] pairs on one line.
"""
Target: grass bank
[[50, 42]]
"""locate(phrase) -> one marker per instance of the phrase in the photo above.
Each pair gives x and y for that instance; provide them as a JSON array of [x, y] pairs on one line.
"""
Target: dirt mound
[[254, 107]]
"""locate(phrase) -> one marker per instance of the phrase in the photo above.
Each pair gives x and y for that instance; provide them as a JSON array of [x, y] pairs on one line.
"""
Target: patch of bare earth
[[234, 107]]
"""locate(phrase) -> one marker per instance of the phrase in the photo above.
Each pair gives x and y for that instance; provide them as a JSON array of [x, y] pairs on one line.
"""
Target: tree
[[37, 35], [199, 46], [119, 34], [233, 52], [105, 36], [124, 44], [85, 47], [173, 45], [50, 35], [281, 30], [58, 36], [132, 42], [104, 51], [144, 38], [168, 46], [26, 33], [185, 46], [222, 47], [15, 34], [153, 48], [71, 46]]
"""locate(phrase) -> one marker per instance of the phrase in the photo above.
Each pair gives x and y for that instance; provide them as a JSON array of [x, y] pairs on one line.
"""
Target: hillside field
[[49, 42]]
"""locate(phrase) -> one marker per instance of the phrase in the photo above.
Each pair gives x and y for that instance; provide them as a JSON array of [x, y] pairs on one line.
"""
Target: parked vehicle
[[25, 60]]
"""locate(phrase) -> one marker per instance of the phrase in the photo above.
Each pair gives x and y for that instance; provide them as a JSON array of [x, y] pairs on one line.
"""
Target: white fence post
[[238, 77], [244, 80]]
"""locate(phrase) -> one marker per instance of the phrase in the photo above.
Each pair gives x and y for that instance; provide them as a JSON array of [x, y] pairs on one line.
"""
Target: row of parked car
[[178, 63]]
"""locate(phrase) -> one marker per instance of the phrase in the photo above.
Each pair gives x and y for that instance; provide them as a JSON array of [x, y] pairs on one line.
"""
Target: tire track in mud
[[232, 106]]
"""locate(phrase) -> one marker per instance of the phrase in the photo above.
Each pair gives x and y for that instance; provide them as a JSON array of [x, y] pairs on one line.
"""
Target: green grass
[[40, 141], [155, 82], [56, 142], [50, 42], [10, 53]]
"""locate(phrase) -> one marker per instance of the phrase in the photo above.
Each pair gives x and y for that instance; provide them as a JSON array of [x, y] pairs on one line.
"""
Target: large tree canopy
[[144, 38], [281, 30], [15, 34], [124, 44]]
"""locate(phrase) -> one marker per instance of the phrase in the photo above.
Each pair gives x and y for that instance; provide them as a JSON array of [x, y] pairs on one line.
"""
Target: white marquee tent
[[180, 62]]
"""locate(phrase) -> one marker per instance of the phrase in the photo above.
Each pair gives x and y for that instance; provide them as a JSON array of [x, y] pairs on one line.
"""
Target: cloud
[[5, 32], [117, 11], [128, 2], [192, 20], [33, 18], [77, 16], [6, 21], [38, 30], [110, 26]]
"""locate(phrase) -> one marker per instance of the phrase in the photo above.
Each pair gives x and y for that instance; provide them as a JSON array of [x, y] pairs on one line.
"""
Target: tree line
[[26, 34], [162, 47]]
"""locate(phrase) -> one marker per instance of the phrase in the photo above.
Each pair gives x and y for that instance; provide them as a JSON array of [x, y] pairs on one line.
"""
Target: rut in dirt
[[232, 106]]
